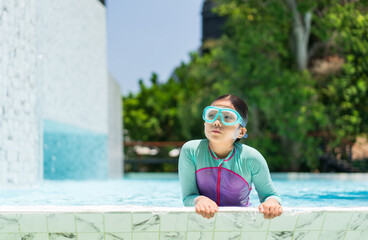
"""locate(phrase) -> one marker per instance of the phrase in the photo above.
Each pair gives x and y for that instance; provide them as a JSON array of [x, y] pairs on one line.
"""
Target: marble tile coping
[[162, 210]]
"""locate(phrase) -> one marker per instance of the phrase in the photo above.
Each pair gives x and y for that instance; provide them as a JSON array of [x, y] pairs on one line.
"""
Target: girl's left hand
[[270, 208]]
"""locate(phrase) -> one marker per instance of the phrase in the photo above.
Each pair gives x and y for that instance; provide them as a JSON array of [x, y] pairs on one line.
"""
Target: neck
[[220, 149]]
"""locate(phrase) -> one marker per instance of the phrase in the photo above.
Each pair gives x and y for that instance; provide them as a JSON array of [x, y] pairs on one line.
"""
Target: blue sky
[[145, 36]]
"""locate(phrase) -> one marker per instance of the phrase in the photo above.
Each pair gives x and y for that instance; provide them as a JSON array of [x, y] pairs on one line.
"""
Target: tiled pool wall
[[151, 223], [60, 111], [73, 153]]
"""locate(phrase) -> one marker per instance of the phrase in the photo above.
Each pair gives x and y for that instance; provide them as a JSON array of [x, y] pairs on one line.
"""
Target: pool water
[[311, 192]]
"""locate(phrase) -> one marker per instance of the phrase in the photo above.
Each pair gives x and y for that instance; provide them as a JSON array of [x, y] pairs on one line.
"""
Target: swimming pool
[[323, 206], [163, 190]]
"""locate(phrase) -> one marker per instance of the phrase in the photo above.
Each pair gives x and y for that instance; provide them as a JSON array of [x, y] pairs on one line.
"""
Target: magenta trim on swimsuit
[[226, 188], [205, 168], [212, 153], [218, 184], [227, 170], [217, 157], [230, 156], [238, 176]]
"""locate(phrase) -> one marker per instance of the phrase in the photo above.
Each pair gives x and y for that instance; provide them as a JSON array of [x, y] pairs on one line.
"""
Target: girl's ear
[[242, 132]]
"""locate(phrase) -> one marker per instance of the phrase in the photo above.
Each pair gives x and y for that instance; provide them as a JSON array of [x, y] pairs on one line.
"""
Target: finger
[[261, 209], [201, 211], [198, 208], [204, 211], [275, 211], [266, 210], [207, 211], [280, 211], [213, 211]]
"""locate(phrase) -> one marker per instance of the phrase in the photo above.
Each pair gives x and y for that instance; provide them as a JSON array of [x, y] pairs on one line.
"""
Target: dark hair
[[239, 105]]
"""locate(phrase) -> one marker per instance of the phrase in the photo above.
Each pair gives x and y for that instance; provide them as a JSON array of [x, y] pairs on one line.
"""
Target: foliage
[[151, 115], [254, 59], [345, 91]]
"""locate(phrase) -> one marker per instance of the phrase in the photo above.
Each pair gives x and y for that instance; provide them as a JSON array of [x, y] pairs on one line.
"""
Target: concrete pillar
[[20, 88], [115, 147]]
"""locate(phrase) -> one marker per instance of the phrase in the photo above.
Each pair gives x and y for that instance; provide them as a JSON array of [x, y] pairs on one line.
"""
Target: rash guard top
[[227, 181]]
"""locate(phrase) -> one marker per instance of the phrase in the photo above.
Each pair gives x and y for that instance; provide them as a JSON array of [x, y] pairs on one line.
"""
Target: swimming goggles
[[228, 116]]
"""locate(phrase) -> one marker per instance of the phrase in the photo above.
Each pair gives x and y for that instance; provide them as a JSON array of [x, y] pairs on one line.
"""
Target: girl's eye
[[211, 114], [229, 117]]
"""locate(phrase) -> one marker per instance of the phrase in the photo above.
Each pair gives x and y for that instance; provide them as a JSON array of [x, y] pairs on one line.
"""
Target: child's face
[[218, 132]]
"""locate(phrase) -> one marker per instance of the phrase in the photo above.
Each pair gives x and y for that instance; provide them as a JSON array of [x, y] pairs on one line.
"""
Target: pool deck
[[139, 222]]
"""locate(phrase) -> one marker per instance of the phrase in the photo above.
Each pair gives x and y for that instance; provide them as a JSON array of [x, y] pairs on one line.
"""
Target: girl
[[219, 171]]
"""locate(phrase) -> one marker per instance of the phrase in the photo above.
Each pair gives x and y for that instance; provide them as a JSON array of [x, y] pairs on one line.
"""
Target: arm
[[270, 199], [187, 176], [262, 179]]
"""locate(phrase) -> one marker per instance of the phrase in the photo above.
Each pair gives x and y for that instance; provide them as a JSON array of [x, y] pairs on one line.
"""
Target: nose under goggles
[[228, 116]]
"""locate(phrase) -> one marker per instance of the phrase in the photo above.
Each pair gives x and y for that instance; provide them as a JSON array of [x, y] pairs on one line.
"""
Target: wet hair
[[239, 105]]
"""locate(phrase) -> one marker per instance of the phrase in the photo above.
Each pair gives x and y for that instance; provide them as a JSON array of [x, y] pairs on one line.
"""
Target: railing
[[154, 144], [163, 156], [151, 156], [348, 158]]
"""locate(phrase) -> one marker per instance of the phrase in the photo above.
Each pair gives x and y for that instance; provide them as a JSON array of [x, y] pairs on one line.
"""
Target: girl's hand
[[205, 207], [270, 208]]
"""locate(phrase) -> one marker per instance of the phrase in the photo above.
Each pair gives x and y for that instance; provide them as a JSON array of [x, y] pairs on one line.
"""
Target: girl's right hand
[[205, 207]]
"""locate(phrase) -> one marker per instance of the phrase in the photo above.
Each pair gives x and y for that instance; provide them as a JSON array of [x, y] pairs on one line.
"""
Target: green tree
[[300, 65], [253, 60], [151, 114], [342, 70]]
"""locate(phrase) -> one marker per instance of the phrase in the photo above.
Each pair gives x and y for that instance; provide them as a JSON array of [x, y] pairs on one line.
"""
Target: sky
[[146, 36]]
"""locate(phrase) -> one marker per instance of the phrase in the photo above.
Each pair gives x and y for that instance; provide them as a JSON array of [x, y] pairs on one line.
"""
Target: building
[[57, 101]]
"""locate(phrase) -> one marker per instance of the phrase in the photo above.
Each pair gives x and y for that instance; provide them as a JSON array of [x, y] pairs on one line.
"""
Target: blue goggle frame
[[238, 120]]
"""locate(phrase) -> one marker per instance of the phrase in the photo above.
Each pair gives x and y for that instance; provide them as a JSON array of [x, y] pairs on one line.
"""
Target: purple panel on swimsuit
[[207, 182], [234, 190]]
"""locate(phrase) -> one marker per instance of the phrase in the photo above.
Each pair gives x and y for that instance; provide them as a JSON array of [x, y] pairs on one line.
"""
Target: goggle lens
[[229, 117], [211, 114]]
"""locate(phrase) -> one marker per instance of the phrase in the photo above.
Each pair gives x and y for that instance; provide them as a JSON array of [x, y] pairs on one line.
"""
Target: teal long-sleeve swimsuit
[[227, 181]]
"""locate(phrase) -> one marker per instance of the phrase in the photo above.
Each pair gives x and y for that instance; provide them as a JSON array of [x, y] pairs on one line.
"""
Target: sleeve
[[187, 176], [262, 179]]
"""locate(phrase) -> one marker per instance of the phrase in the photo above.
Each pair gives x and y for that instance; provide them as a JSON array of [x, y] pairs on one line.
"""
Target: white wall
[[115, 152], [53, 76], [20, 119], [72, 41]]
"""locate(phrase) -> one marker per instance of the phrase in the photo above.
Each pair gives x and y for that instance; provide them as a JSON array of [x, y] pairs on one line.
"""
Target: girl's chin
[[217, 138]]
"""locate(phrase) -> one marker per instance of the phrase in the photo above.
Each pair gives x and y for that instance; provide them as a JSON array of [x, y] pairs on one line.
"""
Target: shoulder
[[253, 159], [189, 151], [249, 152], [194, 145]]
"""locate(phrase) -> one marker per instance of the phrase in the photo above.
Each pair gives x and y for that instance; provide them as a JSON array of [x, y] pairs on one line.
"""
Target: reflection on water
[[166, 192]]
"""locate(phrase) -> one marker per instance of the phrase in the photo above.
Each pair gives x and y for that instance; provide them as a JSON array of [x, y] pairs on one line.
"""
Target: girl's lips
[[215, 131]]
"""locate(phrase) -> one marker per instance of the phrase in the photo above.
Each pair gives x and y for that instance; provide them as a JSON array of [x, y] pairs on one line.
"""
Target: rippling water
[[166, 192]]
